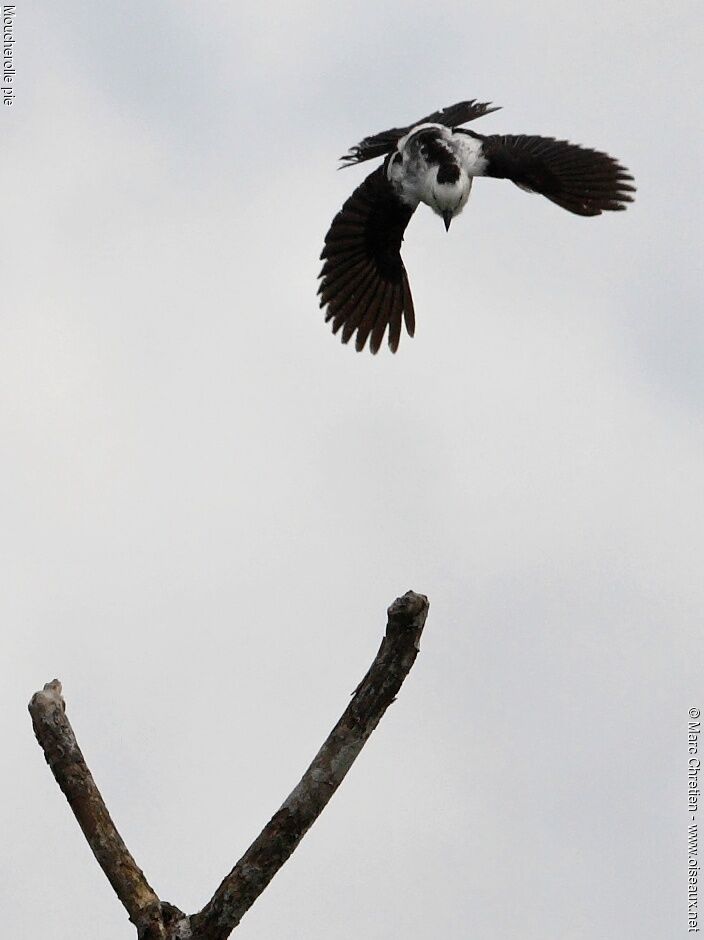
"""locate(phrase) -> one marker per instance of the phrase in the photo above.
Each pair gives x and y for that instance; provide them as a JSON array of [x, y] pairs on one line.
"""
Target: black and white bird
[[364, 287]]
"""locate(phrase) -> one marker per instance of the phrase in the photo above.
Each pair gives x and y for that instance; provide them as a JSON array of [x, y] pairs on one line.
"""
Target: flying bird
[[364, 287]]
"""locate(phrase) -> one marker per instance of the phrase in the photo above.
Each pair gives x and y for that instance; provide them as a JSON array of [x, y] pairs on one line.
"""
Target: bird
[[363, 282]]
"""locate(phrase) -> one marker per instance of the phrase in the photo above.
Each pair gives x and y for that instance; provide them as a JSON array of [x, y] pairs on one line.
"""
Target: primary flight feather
[[364, 287]]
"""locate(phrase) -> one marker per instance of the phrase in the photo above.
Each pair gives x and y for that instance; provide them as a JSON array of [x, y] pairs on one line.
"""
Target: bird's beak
[[447, 218]]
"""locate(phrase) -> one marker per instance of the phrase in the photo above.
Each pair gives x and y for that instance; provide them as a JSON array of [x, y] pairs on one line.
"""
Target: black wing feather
[[584, 181], [377, 145], [364, 286]]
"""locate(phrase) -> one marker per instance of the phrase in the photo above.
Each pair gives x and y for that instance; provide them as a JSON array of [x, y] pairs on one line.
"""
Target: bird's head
[[450, 192]]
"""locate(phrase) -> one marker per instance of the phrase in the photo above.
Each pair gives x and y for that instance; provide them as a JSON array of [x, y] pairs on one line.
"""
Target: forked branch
[[156, 920]]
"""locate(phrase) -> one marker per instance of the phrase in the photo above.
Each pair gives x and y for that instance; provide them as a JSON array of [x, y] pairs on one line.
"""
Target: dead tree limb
[[157, 920], [64, 757], [284, 831]]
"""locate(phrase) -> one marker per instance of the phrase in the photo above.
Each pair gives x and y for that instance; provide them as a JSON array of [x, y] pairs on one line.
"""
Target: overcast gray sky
[[209, 502]]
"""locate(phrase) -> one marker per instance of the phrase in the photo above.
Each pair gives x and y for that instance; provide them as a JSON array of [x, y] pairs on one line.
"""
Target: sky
[[209, 502]]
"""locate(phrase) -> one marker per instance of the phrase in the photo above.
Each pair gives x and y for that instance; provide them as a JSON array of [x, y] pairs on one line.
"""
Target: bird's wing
[[377, 145], [583, 181], [364, 285]]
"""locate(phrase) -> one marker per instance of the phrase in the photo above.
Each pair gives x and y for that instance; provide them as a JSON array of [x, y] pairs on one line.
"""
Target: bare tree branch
[[63, 755], [284, 831], [157, 920]]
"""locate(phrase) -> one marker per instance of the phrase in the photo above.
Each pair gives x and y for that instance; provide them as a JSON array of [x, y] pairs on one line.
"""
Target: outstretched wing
[[377, 145], [364, 285], [583, 181]]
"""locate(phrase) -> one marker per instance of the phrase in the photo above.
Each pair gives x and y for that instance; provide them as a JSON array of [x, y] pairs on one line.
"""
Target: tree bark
[[64, 757], [157, 920]]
